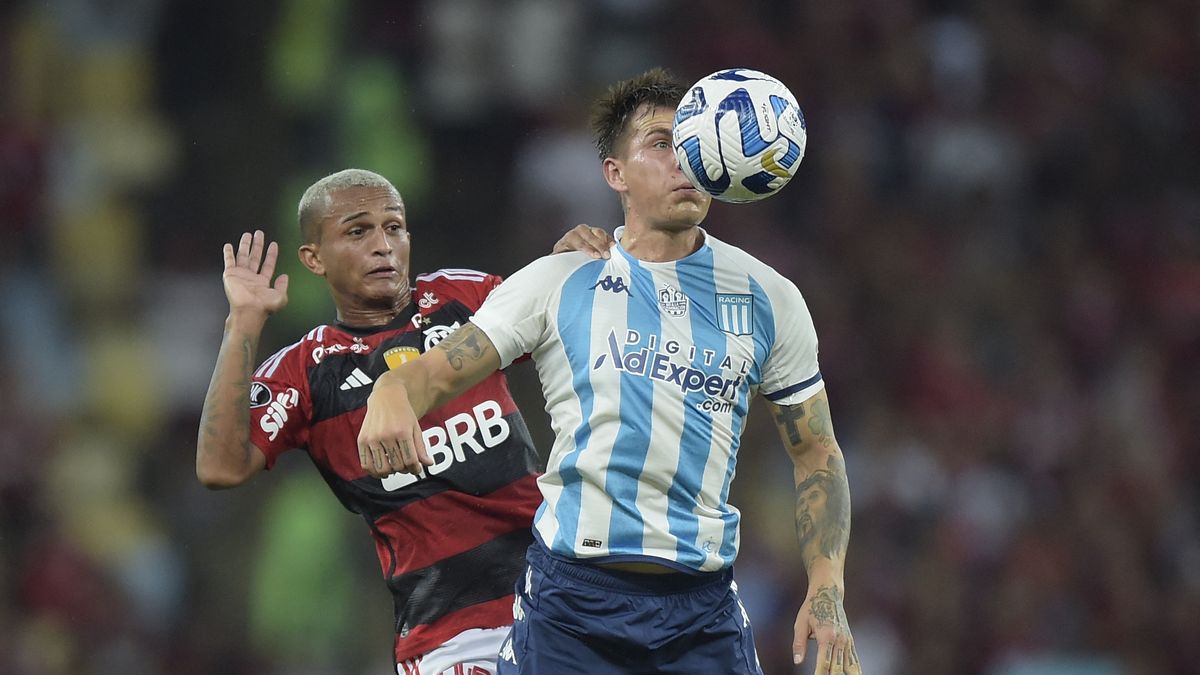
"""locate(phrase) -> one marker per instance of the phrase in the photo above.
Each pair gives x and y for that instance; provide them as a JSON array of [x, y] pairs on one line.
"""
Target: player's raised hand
[[390, 438], [823, 619], [248, 273], [590, 240]]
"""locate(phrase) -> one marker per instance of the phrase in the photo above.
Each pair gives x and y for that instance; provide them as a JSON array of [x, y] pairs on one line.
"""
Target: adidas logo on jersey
[[355, 380]]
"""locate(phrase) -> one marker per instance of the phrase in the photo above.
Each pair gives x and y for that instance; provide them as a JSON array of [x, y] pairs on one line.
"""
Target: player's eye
[[355, 232]]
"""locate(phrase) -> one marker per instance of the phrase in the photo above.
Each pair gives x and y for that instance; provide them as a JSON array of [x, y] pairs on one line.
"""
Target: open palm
[[248, 275]]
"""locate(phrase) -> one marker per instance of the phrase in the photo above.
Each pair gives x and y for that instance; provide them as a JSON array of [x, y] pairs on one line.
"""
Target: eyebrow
[[360, 214]]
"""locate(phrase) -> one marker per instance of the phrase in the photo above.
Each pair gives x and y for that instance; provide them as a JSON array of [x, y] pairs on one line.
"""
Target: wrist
[[245, 321], [391, 382], [823, 572]]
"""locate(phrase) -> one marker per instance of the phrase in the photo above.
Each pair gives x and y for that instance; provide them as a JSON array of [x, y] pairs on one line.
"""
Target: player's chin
[[694, 210], [382, 292]]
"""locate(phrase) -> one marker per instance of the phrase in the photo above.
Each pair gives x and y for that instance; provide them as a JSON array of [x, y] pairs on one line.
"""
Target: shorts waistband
[[631, 583]]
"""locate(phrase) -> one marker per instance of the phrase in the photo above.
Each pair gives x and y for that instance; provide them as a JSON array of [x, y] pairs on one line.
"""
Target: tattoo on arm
[[788, 418], [462, 345], [819, 423], [223, 415], [823, 512]]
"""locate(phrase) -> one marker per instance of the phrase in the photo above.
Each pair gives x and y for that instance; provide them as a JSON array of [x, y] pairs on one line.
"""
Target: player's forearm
[[414, 382], [823, 521], [223, 448]]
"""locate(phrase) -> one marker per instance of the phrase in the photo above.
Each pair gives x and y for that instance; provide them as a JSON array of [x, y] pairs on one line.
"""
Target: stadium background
[[997, 228]]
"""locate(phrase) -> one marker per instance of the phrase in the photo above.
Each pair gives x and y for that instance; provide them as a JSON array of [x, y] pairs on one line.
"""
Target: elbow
[[218, 480], [215, 477]]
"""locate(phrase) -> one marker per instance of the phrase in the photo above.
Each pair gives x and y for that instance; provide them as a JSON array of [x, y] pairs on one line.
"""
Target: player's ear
[[614, 174], [310, 257]]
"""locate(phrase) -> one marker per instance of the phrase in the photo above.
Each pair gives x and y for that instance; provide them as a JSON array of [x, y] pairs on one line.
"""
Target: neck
[[368, 316], [652, 245]]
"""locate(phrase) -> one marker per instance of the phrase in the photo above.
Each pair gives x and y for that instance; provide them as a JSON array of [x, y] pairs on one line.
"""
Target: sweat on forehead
[[316, 200]]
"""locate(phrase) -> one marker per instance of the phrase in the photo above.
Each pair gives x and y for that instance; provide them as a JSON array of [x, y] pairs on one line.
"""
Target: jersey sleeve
[[280, 405], [791, 373], [470, 287], [515, 316]]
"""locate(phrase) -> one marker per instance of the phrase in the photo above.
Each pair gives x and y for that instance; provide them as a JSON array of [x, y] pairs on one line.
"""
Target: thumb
[[800, 646], [281, 283]]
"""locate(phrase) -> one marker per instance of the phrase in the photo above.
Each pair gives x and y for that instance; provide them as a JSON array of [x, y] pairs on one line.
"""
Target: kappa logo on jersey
[[614, 286], [358, 347], [482, 428], [276, 415], [735, 313], [658, 365], [672, 301], [355, 379], [260, 394], [427, 300], [436, 334]]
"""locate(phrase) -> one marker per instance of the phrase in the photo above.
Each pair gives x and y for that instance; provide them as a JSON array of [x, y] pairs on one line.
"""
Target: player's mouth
[[384, 272]]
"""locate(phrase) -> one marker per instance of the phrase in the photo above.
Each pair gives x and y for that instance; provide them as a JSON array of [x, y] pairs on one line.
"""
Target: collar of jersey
[[634, 260], [404, 317]]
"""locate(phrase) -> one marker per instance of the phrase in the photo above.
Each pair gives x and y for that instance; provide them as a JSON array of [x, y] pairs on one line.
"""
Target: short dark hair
[[612, 111]]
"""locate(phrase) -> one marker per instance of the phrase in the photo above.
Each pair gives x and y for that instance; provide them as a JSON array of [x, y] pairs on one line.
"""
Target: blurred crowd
[[996, 227]]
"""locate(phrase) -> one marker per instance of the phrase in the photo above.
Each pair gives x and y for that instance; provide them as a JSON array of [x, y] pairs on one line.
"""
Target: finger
[[281, 285], [799, 648], [272, 255], [800, 638], [379, 463], [363, 453], [408, 455], [243, 251], [422, 452], [227, 253], [838, 667], [392, 453], [256, 250], [596, 240], [606, 242], [853, 666], [824, 658]]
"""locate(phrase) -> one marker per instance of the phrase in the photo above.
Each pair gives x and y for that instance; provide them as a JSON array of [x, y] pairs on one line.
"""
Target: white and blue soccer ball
[[739, 135]]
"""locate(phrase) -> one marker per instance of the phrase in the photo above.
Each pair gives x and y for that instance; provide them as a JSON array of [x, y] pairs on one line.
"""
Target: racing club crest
[[672, 301], [735, 313]]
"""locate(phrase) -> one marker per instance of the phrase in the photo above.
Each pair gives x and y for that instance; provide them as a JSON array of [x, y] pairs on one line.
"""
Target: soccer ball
[[739, 135]]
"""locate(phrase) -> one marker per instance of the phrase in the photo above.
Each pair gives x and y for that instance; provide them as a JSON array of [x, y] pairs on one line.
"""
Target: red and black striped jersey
[[451, 542]]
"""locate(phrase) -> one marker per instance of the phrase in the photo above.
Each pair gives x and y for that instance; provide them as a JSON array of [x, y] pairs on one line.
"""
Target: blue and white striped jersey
[[648, 370]]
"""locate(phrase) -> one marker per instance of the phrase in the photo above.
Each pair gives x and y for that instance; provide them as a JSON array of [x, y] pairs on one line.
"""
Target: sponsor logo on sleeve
[[260, 394], [276, 414]]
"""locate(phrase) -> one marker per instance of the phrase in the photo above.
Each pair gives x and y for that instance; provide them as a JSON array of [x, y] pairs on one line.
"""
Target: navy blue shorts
[[572, 617]]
